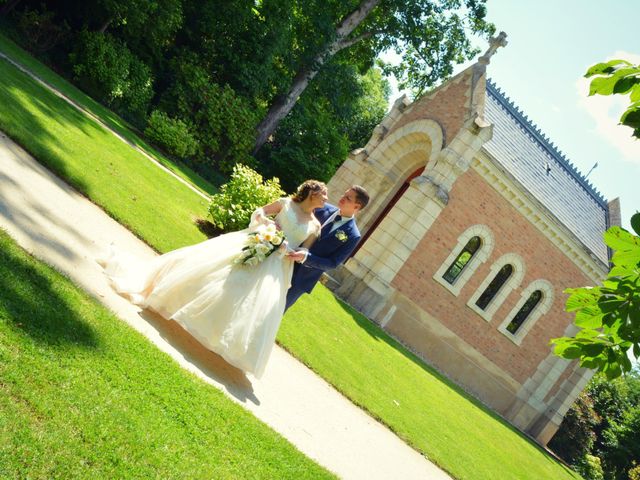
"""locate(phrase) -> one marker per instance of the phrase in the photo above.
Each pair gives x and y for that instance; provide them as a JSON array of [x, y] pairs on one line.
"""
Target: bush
[[634, 473], [106, 69], [171, 134], [590, 468], [231, 209]]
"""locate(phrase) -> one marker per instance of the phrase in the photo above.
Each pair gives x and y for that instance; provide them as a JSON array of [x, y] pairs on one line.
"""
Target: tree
[[619, 77], [608, 316], [431, 34]]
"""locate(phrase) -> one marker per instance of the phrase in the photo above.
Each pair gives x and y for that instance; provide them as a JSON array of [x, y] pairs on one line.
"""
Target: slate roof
[[536, 163]]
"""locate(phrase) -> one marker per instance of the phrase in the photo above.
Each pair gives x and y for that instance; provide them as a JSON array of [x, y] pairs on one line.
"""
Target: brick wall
[[472, 201]]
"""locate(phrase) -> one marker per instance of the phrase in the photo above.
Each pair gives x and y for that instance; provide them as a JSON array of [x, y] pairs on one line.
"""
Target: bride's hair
[[307, 188]]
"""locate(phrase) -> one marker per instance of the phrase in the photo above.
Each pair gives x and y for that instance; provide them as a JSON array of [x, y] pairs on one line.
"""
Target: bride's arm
[[261, 215]]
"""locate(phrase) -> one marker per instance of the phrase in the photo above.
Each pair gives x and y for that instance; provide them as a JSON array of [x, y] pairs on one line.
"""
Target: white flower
[[277, 240], [263, 249], [253, 261]]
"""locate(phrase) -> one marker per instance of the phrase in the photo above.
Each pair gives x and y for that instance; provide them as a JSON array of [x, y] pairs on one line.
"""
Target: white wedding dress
[[234, 310]]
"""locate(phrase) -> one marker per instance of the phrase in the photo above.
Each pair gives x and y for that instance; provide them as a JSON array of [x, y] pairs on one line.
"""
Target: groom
[[338, 237]]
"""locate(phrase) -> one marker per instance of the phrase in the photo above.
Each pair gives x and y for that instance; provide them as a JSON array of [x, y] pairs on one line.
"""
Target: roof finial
[[494, 44]]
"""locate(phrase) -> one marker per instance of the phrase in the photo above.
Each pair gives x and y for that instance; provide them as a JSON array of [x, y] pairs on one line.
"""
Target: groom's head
[[353, 200]]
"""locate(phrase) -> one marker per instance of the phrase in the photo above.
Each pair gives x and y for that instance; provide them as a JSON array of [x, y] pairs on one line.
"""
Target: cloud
[[606, 111]]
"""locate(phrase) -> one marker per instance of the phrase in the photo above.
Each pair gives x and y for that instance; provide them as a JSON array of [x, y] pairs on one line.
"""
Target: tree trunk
[[105, 25], [10, 5], [282, 105]]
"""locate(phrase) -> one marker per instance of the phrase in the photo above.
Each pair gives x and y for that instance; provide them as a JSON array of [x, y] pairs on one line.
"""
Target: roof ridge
[[535, 132]]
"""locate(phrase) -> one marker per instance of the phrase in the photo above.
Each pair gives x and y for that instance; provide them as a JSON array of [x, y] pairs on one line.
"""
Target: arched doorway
[[388, 208]]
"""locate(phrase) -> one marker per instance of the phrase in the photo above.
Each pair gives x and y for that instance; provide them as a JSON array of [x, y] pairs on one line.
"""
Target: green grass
[[426, 410], [83, 395], [109, 118], [358, 358], [128, 186]]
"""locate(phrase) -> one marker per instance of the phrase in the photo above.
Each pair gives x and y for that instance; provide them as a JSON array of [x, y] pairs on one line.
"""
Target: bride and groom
[[235, 310]]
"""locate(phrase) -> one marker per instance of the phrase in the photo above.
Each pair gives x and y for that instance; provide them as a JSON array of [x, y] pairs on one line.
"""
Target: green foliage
[[335, 115], [106, 69], [608, 316], [590, 468], [223, 122], [231, 209], [40, 29], [576, 435], [607, 416], [623, 78], [634, 473], [307, 144], [171, 134]]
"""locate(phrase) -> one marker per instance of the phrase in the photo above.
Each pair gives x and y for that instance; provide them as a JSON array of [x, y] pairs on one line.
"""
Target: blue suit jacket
[[326, 253]]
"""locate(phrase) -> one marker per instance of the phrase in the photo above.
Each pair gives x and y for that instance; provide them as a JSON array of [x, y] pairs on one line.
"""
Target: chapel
[[477, 224]]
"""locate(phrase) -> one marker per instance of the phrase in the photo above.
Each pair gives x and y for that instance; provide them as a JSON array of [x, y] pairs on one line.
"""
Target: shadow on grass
[[18, 96], [211, 364], [108, 117], [33, 305]]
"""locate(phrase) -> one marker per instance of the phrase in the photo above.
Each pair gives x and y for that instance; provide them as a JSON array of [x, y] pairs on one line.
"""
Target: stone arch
[[481, 256], [395, 159], [540, 309], [511, 283]]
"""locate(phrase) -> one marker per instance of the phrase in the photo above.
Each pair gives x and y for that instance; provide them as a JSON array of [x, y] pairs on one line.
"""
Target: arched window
[[473, 248], [492, 289], [524, 312], [461, 261]]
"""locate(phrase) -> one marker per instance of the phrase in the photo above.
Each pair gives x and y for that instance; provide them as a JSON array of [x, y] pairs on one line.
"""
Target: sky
[[551, 44]]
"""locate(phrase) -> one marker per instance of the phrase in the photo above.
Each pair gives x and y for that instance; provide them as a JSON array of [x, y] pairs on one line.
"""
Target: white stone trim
[[512, 282], [539, 217], [540, 309], [481, 256]]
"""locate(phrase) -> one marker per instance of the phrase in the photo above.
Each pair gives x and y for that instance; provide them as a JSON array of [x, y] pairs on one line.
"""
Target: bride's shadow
[[210, 363]]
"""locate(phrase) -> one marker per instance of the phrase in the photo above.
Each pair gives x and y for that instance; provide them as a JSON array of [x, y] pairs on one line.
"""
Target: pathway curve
[[60, 226]]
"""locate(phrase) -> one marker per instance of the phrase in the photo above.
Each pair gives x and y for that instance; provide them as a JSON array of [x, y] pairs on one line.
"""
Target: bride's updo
[[309, 187]]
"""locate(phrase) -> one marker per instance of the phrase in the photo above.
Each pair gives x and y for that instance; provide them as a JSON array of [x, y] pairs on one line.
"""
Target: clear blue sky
[[551, 45]]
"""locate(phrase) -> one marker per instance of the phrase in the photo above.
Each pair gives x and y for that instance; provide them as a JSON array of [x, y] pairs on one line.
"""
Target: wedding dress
[[234, 310]]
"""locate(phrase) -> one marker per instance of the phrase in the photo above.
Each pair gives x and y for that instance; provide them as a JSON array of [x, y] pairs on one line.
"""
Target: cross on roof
[[494, 44]]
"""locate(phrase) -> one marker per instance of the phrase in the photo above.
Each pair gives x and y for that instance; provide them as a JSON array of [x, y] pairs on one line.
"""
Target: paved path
[[55, 223]]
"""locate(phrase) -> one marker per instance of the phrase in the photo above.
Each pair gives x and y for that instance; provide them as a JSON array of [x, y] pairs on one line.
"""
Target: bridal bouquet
[[260, 244]]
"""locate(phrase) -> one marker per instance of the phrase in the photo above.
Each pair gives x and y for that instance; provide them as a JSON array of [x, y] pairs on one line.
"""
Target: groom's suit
[[331, 249]]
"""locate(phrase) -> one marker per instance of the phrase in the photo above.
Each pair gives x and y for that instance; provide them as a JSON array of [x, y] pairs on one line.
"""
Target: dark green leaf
[[635, 218]]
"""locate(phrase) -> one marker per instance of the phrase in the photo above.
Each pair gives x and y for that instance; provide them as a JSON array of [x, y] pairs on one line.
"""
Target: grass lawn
[[83, 395], [107, 116], [434, 416], [424, 409], [113, 175]]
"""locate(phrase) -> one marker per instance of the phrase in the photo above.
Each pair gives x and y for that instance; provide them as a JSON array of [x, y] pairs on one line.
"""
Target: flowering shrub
[[231, 209]]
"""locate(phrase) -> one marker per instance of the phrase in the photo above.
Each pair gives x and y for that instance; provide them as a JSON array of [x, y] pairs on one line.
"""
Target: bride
[[232, 309]]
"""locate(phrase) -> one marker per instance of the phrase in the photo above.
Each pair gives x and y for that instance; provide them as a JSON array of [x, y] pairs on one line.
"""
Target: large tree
[[430, 36]]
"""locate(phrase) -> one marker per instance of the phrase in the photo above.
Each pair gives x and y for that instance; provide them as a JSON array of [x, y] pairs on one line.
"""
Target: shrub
[[106, 69], [590, 468], [231, 209], [171, 134], [634, 473]]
